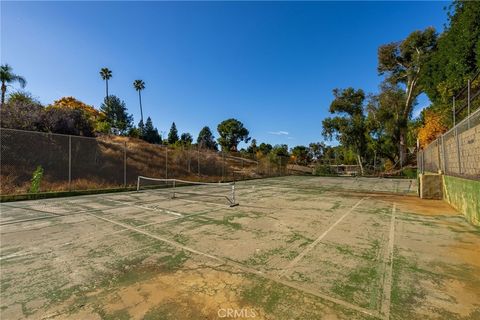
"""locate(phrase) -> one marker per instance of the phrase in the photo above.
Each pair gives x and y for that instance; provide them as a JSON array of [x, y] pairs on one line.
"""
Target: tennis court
[[294, 247]]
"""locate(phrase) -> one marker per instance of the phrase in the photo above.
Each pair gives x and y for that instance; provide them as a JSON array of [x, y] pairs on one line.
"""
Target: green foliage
[[231, 132], [36, 180], [403, 63], [173, 134], [116, 115], [324, 170], [349, 127], [22, 112], [457, 54], [265, 148], [7, 77], [105, 73], [186, 139], [252, 148], [316, 150], [301, 155], [68, 121], [206, 139], [139, 85], [387, 120], [150, 133]]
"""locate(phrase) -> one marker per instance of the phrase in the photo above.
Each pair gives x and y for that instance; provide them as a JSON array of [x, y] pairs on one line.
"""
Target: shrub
[[36, 180], [324, 170]]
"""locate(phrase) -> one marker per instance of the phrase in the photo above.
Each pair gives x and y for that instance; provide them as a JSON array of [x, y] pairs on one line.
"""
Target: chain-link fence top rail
[[80, 163], [456, 152]]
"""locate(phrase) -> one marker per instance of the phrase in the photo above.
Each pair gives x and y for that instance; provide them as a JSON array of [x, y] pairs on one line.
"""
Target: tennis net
[[182, 187]]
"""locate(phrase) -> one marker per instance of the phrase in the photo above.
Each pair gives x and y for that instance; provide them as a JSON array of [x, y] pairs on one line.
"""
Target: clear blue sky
[[272, 65]]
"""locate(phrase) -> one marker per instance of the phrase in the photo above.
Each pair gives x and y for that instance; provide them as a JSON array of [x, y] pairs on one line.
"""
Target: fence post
[[458, 151], [454, 111], [198, 160], [468, 103], [223, 165], [69, 163], [125, 164], [444, 162], [439, 161], [166, 162]]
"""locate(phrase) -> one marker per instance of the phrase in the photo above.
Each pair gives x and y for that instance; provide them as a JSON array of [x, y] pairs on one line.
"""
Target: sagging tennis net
[[202, 189]]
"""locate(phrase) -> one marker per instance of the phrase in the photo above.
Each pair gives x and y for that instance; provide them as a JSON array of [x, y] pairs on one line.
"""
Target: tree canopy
[[206, 139], [116, 114], [150, 133], [173, 134], [232, 132]]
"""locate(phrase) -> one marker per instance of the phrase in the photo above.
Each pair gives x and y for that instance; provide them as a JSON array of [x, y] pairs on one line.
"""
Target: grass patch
[[299, 237], [180, 238]]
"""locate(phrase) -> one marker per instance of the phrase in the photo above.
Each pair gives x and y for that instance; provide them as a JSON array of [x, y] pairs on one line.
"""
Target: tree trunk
[[141, 110], [359, 159], [106, 89], [402, 148], [4, 89]]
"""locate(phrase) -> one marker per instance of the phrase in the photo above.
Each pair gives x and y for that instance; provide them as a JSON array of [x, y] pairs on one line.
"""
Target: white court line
[[144, 207], [244, 268], [387, 281], [148, 234], [314, 243]]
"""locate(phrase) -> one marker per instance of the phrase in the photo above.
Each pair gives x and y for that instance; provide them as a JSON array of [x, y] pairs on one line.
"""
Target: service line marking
[[312, 245], [388, 263]]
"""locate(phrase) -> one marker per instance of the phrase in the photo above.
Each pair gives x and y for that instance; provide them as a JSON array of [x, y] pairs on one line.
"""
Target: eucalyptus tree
[[403, 64]]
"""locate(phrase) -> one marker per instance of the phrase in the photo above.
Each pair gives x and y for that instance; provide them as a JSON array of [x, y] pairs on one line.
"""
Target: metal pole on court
[[454, 111], [125, 164], [458, 151], [69, 163], [468, 102]]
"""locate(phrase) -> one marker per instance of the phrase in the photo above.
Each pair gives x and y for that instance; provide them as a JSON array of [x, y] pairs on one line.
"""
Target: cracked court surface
[[295, 247]]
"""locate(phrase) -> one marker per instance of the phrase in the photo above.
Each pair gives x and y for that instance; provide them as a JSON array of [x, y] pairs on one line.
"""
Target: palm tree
[[7, 76], [139, 85], [106, 74]]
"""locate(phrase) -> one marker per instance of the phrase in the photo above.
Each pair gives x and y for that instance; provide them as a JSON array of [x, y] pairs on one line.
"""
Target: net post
[[69, 163], [173, 196], [233, 202], [138, 183]]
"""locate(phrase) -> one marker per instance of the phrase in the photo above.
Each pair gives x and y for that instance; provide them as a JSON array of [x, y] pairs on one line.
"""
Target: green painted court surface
[[295, 248]]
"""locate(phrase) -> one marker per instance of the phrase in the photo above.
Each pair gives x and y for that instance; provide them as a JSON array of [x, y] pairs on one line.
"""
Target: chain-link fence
[[456, 152], [73, 163]]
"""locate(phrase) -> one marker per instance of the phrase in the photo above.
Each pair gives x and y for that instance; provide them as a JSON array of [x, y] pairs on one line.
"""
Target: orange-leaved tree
[[434, 126]]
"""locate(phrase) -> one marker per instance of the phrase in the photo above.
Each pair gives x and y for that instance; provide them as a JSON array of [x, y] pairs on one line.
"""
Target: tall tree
[[139, 85], [349, 126], [186, 139], [206, 139], [173, 134], [150, 133], [116, 114], [316, 150], [386, 120], [402, 63], [252, 148], [106, 74], [231, 132], [301, 155], [265, 148], [455, 59], [7, 77]]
